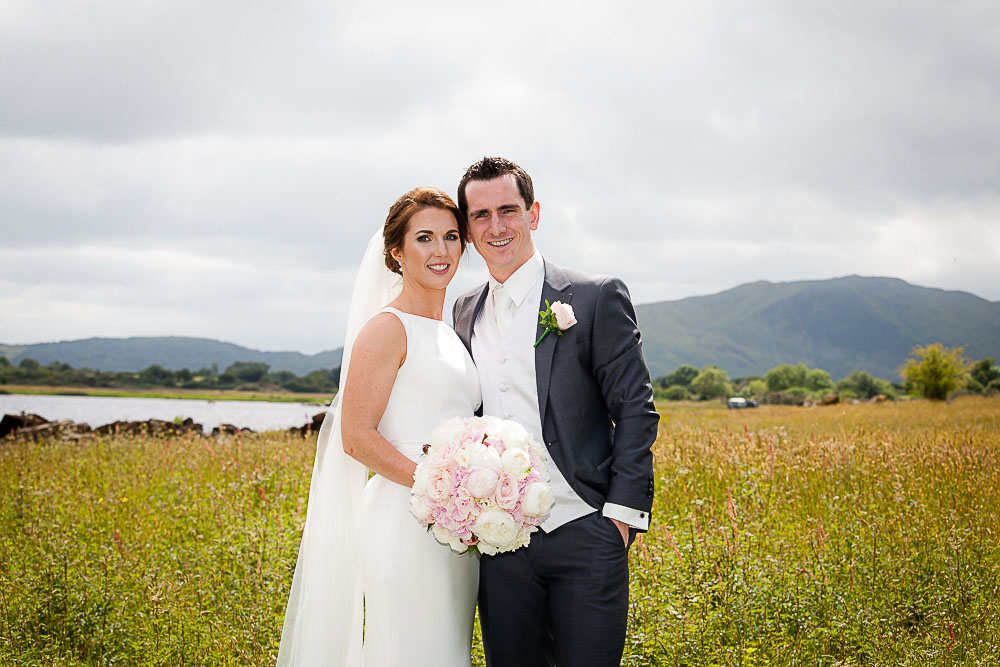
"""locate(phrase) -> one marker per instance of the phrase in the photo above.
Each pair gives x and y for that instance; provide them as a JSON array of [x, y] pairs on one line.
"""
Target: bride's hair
[[405, 208]]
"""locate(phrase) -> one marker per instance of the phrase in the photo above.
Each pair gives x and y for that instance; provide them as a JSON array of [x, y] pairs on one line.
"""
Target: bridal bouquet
[[482, 484]]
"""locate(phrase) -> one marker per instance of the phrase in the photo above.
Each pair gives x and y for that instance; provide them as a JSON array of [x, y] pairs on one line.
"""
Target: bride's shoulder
[[383, 332]]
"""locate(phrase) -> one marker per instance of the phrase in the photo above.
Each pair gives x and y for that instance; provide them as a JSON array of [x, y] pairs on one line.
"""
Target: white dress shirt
[[506, 364]]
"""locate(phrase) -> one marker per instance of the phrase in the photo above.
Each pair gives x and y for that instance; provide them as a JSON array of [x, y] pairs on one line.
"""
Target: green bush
[[712, 382], [675, 393], [935, 371]]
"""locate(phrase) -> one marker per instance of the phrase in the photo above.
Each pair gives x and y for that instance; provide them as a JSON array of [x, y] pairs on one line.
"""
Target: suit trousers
[[562, 600]]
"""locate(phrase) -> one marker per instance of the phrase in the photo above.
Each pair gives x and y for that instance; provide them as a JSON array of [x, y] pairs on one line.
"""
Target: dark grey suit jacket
[[594, 394]]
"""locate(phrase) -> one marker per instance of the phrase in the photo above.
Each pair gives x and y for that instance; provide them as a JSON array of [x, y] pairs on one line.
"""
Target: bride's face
[[431, 248]]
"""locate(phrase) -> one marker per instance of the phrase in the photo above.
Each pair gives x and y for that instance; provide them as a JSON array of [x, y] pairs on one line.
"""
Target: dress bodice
[[437, 380]]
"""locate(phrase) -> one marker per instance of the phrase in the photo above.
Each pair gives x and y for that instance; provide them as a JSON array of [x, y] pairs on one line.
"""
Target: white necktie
[[503, 306]]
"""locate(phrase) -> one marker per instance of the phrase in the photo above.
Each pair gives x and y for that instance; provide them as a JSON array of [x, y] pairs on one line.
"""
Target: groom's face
[[500, 224]]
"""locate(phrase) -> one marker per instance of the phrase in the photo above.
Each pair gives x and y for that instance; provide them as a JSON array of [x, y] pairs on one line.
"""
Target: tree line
[[245, 375], [933, 371]]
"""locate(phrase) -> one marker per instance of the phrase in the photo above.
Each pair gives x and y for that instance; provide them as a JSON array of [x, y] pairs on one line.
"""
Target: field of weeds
[[846, 535]]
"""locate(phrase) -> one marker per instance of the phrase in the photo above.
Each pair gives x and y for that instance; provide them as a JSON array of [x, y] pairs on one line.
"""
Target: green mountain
[[171, 352], [839, 325]]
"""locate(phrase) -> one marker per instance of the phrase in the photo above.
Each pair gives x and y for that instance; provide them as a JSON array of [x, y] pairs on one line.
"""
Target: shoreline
[[168, 393]]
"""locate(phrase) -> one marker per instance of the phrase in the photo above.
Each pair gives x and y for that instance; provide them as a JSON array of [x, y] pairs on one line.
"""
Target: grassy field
[[193, 394], [847, 535]]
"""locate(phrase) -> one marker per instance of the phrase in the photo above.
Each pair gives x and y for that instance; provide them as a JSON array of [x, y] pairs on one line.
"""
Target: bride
[[365, 566]]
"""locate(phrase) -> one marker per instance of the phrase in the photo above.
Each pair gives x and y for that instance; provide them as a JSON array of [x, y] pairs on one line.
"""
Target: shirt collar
[[521, 281]]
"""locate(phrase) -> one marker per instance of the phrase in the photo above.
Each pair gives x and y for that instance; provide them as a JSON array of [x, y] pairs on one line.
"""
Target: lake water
[[98, 410]]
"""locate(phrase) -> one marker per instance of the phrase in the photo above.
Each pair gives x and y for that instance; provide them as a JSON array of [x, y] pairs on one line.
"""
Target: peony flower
[[422, 510], [538, 499], [517, 462], [446, 431], [495, 527], [420, 477], [481, 456], [461, 510], [513, 435], [495, 443], [481, 482], [445, 537]]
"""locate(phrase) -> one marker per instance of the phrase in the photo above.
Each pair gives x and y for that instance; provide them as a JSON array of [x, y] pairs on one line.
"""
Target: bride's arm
[[378, 352]]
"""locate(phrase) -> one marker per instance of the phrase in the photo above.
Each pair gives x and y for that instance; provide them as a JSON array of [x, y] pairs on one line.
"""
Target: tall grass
[[849, 535]]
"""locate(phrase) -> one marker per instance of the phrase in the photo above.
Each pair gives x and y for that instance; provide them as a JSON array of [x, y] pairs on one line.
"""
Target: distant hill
[[839, 325], [171, 352]]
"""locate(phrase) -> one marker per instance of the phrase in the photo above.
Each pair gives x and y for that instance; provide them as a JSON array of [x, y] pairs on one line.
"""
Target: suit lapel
[[467, 316], [554, 288]]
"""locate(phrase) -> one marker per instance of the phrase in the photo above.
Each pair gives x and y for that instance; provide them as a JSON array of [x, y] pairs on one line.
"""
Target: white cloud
[[215, 170]]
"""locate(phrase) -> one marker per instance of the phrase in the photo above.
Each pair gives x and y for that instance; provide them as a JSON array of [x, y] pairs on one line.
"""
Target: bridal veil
[[324, 617]]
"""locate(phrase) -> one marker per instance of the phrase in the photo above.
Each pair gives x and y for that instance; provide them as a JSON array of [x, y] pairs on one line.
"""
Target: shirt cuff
[[635, 518]]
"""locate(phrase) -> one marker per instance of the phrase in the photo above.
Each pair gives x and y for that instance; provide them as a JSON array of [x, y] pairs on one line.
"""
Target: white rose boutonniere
[[556, 317]]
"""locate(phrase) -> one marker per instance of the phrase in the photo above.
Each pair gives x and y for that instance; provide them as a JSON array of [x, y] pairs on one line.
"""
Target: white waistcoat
[[506, 365]]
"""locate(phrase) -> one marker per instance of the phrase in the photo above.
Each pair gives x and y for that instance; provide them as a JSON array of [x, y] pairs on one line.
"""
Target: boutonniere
[[556, 317]]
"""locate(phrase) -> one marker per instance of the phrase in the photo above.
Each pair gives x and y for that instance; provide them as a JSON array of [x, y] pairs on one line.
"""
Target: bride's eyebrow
[[418, 232]]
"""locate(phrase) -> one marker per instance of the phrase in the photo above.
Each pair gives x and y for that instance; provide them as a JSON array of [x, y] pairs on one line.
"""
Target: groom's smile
[[500, 224]]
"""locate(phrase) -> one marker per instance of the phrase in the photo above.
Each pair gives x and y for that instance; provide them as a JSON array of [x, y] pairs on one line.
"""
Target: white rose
[[445, 537], [516, 462], [565, 318], [538, 499], [420, 477], [514, 435], [495, 528]]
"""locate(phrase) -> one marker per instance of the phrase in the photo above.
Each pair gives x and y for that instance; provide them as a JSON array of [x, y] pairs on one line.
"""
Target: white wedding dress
[[365, 567], [420, 596]]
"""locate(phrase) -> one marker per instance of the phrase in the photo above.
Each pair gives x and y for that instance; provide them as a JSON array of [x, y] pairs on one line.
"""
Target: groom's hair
[[407, 206], [494, 167]]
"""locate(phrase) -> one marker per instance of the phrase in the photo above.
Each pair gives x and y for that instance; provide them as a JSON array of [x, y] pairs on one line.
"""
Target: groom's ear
[[533, 211]]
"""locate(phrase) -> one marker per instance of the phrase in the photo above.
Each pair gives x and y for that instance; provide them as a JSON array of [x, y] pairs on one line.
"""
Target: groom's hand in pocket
[[622, 528]]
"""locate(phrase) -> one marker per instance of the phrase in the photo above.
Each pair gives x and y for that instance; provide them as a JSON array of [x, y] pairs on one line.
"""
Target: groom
[[586, 395]]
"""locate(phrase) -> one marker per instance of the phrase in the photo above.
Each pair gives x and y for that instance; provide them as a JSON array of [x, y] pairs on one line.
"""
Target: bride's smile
[[431, 249]]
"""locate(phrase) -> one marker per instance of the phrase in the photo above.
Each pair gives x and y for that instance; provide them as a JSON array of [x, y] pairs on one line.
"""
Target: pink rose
[[565, 318], [439, 486], [507, 492]]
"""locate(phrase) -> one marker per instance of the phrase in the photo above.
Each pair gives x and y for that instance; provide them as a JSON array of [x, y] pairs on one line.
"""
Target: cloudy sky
[[171, 167]]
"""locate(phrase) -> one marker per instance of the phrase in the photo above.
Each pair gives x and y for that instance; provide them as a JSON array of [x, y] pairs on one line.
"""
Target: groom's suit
[[598, 424]]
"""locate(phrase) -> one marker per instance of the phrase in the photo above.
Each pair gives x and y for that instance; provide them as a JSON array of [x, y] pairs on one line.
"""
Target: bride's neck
[[422, 302]]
